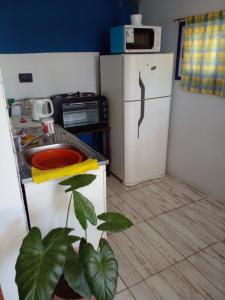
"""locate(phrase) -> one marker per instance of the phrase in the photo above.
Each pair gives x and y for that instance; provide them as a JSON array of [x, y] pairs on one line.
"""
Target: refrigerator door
[[145, 150], [155, 70]]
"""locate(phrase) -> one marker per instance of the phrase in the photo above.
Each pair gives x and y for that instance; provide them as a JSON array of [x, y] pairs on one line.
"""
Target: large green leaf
[[84, 210], [74, 274], [40, 263], [73, 239], [101, 270], [78, 181], [114, 222]]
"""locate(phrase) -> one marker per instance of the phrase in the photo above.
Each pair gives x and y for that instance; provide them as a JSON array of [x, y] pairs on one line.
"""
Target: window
[[203, 65]]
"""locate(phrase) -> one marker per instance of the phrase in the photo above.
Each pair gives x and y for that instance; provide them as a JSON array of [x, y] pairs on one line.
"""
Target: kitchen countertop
[[61, 136]]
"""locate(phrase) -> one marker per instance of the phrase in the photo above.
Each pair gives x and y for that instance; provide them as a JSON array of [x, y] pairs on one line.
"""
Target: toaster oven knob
[[104, 102], [105, 109]]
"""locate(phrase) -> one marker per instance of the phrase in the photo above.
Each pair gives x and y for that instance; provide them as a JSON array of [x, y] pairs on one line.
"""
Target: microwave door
[[140, 38]]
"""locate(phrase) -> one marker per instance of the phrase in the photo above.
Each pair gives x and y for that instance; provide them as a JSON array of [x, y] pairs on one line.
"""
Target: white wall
[[12, 216], [196, 151], [53, 73]]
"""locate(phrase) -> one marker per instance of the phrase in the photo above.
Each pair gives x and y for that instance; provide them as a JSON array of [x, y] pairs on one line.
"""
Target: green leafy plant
[[43, 262]]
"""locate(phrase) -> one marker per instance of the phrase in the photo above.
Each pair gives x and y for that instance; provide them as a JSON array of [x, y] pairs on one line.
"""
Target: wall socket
[[25, 77]]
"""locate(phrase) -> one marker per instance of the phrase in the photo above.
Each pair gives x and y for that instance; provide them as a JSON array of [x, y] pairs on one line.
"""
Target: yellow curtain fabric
[[203, 64]]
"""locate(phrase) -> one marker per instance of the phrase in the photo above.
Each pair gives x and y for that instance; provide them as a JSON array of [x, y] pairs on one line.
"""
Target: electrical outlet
[[25, 77]]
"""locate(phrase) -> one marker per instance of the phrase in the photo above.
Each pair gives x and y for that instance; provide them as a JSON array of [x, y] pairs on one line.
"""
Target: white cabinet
[[47, 204], [13, 225]]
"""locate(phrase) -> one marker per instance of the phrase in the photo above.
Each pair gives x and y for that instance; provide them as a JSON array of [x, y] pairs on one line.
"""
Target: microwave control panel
[[130, 35]]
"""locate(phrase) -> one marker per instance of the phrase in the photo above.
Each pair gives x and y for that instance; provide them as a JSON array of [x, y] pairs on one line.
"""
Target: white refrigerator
[[138, 88]]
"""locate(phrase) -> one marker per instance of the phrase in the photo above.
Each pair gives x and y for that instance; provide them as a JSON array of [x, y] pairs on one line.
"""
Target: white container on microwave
[[135, 39]]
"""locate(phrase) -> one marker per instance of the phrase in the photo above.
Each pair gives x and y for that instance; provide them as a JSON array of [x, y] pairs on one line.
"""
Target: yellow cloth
[[39, 176]]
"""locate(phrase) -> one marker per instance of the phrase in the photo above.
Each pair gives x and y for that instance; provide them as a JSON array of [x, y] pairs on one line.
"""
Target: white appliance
[[135, 39], [138, 89], [41, 108]]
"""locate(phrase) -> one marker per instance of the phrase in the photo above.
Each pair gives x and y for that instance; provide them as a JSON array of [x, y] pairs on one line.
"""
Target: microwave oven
[[135, 39], [80, 111]]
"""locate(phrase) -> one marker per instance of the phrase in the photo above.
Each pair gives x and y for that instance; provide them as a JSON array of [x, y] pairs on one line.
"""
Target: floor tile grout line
[[129, 260], [186, 205], [210, 204], [130, 208], [207, 199], [166, 240], [153, 245], [192, 202], [155, 216], [204, 274], [132, 294], [203, 217], [203, 249], [183, 182], [157, 184], [157, 273], [126, 287], [174, 265], [128, 291], [170, 212], [209, 220], [148, 182], [184, 259], [162, 198], [175, 188], [196, 252]]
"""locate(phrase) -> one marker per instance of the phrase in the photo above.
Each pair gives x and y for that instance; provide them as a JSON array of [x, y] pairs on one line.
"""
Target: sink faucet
[[31, 141], [18, 141]]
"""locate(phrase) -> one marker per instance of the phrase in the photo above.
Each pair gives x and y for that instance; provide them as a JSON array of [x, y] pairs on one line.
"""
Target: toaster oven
[[79, 112]]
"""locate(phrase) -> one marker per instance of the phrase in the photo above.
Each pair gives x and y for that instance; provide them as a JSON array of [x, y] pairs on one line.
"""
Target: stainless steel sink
[[28, 154], [61, 139]]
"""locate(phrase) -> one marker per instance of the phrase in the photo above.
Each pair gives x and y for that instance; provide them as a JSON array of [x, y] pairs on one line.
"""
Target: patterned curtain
[[203, 65]]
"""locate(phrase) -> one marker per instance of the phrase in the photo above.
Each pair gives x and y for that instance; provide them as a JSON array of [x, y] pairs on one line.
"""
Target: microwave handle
[[142, 114]]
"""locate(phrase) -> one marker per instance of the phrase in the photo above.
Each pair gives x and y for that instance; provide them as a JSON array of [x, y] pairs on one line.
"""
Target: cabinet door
[[48, 203]]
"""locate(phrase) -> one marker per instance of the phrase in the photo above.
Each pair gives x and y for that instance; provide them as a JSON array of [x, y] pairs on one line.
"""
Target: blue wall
[[28, 26]]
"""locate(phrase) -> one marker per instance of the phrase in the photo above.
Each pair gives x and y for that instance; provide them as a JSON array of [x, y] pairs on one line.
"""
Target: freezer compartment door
[[145, 149], [155, 71]]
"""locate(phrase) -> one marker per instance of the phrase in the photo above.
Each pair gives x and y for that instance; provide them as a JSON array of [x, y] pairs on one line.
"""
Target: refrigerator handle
[[142, 86]]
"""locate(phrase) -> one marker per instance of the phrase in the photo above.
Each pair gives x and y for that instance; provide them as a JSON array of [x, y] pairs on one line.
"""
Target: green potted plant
[[136, 17], [51, 266]]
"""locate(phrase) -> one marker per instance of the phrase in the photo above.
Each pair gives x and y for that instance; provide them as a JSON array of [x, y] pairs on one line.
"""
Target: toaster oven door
[[80, 114]]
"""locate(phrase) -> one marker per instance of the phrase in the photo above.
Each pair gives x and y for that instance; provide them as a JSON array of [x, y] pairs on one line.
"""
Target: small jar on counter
[[48, 126]]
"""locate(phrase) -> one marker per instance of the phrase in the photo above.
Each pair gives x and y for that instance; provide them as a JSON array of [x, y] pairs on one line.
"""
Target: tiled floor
[[176, 248]]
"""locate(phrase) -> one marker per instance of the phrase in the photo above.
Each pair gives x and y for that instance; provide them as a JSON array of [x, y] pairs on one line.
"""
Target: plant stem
[[86, 235], [100, 239], [68, 210]]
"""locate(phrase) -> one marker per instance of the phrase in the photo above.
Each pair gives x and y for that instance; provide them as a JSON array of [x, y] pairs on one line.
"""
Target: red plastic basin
[[55, 158]]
